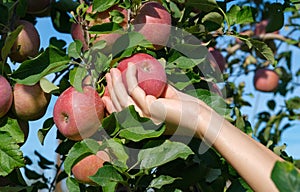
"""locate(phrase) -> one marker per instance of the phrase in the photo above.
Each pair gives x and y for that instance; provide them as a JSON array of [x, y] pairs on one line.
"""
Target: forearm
[[253, 161]]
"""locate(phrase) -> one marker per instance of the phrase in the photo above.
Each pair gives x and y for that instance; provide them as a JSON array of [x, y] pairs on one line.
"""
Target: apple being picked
[[151, 75], [30, 101], [154, 22], [89, 166], [6, 97], [266, 80], [78, 115]]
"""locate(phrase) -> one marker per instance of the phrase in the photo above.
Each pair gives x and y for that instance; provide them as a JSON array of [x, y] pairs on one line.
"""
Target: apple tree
[[206, 48]]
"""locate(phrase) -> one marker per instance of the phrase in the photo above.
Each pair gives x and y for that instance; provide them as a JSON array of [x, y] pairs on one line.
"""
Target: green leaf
[[47, 86], [203, 5], [139, 133], [78, 151], [293, 103], [74, 49], [105, 28], [245, 15], [117, 151], [11, 156], [164, 153], [72, 185], [232, 14], [263, 49], [107, 175], [286, 177], [12, 127], [161, 181], [9, 42], [50, 61], [76, 77], [185, 63], [102, 5], [276, 18], [213, 21], [60, 19], [47, 125]]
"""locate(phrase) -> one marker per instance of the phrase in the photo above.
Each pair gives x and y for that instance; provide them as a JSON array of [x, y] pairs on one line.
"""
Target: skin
[[252, 160], [78, 115], [6, 96]]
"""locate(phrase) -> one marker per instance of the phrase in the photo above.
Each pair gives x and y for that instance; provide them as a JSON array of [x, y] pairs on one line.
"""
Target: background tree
[[206, 47]]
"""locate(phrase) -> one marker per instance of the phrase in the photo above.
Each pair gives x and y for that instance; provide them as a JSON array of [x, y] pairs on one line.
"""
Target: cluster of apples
[[78, 115], [152, 18]]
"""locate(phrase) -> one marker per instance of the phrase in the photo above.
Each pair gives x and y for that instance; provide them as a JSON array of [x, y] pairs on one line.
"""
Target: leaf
[[118, 154], [74, 49], [276, 18], [72, 185], [293, 103], [105, 28], [78, 151], [47, 125], [263, 49], [213, 21], [286, 177], [232, 14], [50, 61], [102, 5], [76, 77], [139, 133], [60, 19], [9, 42], [245, 15], [161, 181], [185, 63], [164, 153], [12, 127], [107, 175], [11, 156], [47, 86], [203, 5]]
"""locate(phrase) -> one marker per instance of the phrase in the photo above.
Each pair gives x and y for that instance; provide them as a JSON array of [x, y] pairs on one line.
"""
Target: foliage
[[142, 157]]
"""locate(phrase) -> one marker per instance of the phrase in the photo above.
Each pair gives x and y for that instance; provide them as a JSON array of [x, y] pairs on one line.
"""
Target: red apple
[[154, 22], [78, 115], [266, 80], [89, 166], [30, 101], [78, 32], [27, 43], [37, 6], [6, 96], [216, 59], [151, 75]]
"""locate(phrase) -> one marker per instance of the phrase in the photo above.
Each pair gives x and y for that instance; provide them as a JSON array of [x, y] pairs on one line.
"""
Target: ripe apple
[[266, 80], [216, 59], [154, 22], [151, 75], [27, 43], [78, 115], [78, 31], [6, 96], [37, 6], [30, 101], [89, 166]]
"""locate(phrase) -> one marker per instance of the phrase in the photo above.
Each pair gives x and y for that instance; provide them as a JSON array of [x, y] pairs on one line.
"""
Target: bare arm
[[253, 161]]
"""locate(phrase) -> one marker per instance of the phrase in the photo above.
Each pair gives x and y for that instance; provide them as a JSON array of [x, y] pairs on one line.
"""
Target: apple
[[89, 166], [78, 31], [24, 126], [154, 22], [216, 59], [30, 101], [38, 6], [27, 43], [78, 115], [6, 96], [151, 75], [266, 80]]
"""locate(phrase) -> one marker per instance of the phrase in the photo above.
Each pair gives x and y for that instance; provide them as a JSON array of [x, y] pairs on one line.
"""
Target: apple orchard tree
[[201, 47]]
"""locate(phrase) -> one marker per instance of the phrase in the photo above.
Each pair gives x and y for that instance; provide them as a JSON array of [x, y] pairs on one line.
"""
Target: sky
[[44, 26]]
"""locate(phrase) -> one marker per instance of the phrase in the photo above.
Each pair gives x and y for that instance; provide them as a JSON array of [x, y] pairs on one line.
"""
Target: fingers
[[113, 98]]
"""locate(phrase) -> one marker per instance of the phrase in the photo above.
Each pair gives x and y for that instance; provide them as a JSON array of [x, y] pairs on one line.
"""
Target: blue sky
[[44, 26]]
